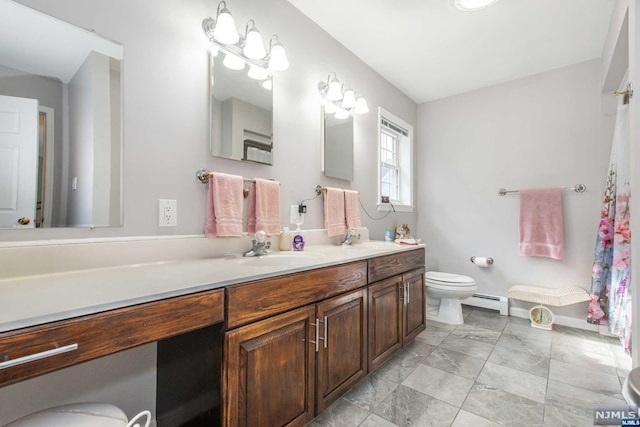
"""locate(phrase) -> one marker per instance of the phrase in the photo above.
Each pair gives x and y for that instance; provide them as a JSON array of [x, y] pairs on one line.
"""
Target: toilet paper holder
[[489, 260]]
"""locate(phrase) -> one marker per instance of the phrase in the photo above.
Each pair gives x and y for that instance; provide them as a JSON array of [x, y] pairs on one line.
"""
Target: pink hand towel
[[541, 230], [264, 207], [351, 208], [334, 219], [224, 206]]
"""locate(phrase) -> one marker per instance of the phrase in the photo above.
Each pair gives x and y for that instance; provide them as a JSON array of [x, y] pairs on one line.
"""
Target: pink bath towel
[[334, 219], [351, 208], [541, 230], [264, 207], [224, 206]]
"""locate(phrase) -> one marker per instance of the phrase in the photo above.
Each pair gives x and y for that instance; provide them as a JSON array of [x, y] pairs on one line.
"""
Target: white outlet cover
[[296, 218], [167, 213]]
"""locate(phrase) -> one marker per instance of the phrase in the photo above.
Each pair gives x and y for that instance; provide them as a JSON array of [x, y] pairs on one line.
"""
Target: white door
[[18, 161]]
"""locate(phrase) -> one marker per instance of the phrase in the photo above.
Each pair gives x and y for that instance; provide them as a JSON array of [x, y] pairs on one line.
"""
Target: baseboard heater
[[492, 302]]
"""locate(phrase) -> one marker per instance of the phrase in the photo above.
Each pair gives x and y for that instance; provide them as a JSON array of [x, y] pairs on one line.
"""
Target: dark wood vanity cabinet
[[269, 371], [342, 351], [283, 370], [397, 312], [314, 335]]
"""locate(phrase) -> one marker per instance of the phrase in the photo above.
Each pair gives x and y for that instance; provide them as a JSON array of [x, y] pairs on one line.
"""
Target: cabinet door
[[269, 371], [414, 305], [385, 320], [342, 355]]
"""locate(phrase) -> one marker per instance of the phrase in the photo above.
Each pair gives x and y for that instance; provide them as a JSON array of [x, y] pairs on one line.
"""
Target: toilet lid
[[439, 277]]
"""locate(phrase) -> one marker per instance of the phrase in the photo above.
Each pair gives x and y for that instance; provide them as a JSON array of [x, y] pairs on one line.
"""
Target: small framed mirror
[[337, 138], [241, 115]]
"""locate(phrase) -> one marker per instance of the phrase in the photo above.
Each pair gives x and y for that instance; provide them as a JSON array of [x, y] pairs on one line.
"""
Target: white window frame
[[405, 164]]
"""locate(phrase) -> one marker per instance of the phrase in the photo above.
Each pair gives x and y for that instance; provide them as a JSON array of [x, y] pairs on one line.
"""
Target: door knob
[[24, 220]]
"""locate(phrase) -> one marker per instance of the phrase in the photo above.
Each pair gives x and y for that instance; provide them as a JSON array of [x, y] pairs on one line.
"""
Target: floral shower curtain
[[610, 286]]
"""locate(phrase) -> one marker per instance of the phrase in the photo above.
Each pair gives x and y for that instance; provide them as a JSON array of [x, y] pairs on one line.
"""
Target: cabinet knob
[[24, 220]]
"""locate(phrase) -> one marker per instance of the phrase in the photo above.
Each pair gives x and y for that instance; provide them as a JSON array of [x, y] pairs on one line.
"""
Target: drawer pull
[[37, 356]]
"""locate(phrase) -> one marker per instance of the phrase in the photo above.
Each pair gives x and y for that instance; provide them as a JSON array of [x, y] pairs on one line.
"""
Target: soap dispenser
[[297, 244], [285, 239]]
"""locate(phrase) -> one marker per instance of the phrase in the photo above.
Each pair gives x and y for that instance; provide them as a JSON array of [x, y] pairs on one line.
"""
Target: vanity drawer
[[263, 298], [65, 343], [391, 265]]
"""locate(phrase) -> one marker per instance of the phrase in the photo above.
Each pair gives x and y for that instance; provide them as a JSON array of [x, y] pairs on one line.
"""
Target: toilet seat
[[448, 278], [452, 286]]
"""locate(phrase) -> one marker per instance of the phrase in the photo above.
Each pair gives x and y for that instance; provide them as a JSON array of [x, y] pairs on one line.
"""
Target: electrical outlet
[[167, 213], [296, 216]]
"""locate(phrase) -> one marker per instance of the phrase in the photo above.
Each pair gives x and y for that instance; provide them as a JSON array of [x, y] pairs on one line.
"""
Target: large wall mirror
[[241, 114], [60, 123], [338, 146]]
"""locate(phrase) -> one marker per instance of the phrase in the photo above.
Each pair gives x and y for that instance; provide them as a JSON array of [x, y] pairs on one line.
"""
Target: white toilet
[[444, 293]]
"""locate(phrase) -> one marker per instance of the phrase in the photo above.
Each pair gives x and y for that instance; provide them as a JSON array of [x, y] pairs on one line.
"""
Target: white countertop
[[31, 300]]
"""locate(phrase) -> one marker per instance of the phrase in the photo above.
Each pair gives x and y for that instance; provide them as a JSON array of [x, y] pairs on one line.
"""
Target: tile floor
[[492, 371]]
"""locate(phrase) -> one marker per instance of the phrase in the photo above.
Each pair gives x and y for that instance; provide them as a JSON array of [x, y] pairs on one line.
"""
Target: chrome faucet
[[260, 244], [351, 233]]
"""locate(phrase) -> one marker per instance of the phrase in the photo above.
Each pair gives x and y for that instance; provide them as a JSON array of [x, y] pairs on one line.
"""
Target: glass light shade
[[257, 73], [225, 31], [253, 46], [330, 108], [361, 106], [334, 92], [233, 62], [468, 5], [278, 59], [267, 84], [349, 99], [341, 114]]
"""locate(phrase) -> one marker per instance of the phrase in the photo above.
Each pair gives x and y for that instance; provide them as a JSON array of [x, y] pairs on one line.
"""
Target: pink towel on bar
[[351, 208], [264, 207], [334, 219], [224, 206], [541, 230]]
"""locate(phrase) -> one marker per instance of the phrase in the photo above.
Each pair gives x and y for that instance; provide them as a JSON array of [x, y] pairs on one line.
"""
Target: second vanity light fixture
[[340, 98], [242, 50]]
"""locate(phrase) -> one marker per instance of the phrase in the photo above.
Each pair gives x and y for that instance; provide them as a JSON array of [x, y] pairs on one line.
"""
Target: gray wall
[[166, 130], [535, 132]]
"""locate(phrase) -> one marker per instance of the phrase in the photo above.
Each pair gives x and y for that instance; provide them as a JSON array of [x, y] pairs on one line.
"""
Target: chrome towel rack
[[579, 188]]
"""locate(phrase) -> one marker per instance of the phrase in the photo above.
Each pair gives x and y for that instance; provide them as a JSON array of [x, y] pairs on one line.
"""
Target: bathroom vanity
[[296, 330]]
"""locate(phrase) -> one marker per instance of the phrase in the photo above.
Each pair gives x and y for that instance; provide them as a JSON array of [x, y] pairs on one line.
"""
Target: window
[[395, 162]]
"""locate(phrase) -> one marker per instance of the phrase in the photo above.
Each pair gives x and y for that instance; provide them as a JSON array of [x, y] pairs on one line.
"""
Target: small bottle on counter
[[285, 239], [388, 236], [297, 243]]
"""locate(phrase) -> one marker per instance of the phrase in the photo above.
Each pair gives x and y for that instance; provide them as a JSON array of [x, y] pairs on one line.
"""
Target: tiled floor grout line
[[507, 335]]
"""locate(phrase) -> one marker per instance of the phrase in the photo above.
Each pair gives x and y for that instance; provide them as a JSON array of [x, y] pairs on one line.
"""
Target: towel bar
[[579, 188]]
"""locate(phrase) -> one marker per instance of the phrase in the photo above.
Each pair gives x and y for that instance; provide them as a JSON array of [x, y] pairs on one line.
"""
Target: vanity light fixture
[[361, 105], [471, 5], [257, 73], [224, 30], [348, 98], [341, 99], [253, 46], [232, 62], [267, 84], [277, 56], [248, 49]]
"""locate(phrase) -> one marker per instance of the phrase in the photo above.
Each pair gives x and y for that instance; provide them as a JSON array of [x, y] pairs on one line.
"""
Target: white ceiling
[[429, 49]]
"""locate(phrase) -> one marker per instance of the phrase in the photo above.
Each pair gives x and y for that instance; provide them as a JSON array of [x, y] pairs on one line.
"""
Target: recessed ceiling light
[[470, 5]]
